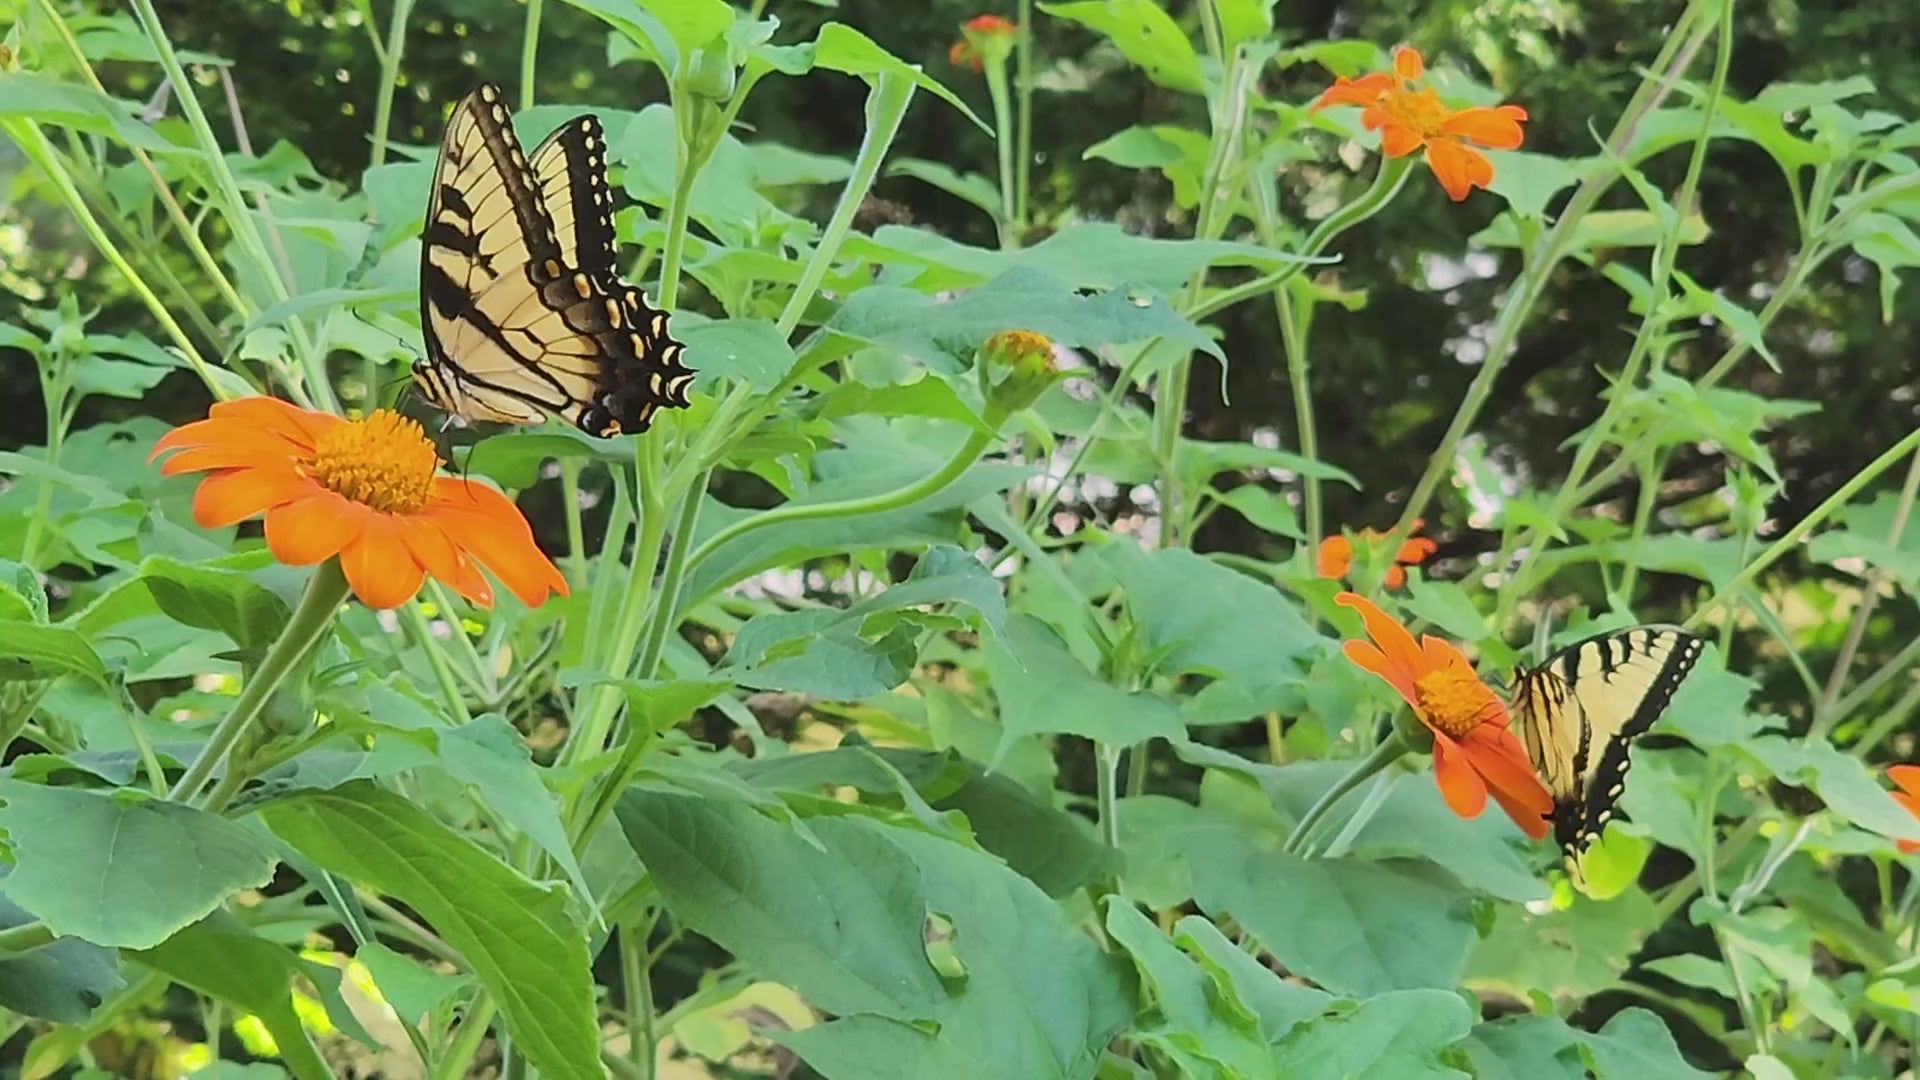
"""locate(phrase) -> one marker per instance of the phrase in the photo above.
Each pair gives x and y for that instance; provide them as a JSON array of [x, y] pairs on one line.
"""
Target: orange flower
[[1907, 778], [1336, 554], [1474, 752], [983, 38], [1409, 116], [363, 490]]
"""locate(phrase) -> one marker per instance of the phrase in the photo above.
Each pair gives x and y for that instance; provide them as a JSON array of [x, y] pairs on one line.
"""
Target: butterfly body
[[1580, 712], [522, 312]]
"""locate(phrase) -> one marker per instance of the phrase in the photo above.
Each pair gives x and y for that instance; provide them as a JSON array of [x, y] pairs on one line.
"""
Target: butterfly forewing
[[522, 312], [1581, 711]]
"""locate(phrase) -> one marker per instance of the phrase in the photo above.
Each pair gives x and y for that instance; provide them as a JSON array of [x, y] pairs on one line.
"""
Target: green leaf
[[1145, 34], [63, 981], [750, 351], [1635, 1045], [1043, 689], [1244, 20], [1278, 1005], [489, 754], [1194, 1022], [1090, 255], [1446, 605], [945, 333], [76, 849], [213, 598], [514, 934], [1352, 927], [841, 925], [967, 187], [653, 707], [1568, 954], [1039, 998], [929, 396], [1399, 1035], [1199, 616], [1841, 781], [831, 660], [512, 459], [1523, 1048], [412, 989], [1179, 153], [1529, 181], [22, 597], [688, 24], [223, 958], [842, 48], [29, 96], [30, 652], [1264, 509]]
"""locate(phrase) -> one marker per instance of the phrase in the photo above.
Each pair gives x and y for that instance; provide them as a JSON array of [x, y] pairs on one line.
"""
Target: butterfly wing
[[1581, 711], [515, 328]]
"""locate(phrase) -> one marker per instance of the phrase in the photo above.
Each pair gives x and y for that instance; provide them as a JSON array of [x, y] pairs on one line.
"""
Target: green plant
[[939, 765]]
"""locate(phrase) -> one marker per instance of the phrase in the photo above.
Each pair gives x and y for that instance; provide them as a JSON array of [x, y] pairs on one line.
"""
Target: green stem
[[390, 76], [529, 48], [666, 605], [17, 941], [1869, 595], [576, 532], [1003, 138], [1383, 755], [790, 513], [466, 1041], [1023, 127], [1107, 758], [450, 688], [309, 624], [1790, 540]]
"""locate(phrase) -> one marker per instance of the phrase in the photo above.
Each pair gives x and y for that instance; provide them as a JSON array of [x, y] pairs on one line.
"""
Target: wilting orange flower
[[1474, 752], [1409, 116], [983, 37], [1907, 779], [364, 490], [1336, 554]]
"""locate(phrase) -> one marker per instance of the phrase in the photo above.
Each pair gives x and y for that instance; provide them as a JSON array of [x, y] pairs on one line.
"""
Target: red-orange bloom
[[982, 37], [364, 490], [1907, 779], [1409, 116], [1336, 554], [1474, 752]]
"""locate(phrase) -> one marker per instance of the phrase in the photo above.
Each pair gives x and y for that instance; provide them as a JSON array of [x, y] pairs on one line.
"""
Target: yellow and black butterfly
[[522, 312], [1581, 710]]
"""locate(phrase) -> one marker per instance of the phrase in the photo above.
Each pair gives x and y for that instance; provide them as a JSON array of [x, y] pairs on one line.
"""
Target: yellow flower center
[[1420, 110], [1451, 700], [385, 461]]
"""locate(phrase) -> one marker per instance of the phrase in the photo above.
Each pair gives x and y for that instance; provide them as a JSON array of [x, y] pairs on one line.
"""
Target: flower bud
[[1016, 367]]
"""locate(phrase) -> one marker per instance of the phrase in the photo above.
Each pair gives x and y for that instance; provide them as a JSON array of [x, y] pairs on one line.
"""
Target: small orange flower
[[1336, 554], [983, 38], [1474, 752], [1409, 116], [1907, 779], [363, 490]]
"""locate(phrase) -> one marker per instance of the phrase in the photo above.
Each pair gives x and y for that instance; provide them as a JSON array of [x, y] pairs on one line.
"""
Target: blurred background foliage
[[1389, 366]]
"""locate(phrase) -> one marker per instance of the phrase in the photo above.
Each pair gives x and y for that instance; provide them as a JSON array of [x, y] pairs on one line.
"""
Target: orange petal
[[1416, 551], [1362, 91], [227, 432], [1458, 167], [1399, 140], [306, 531], [1496, 129], [380, 569], [1367, 657], [1906, 777], [1496, 754], [242, 450], [1336, 555], [1395, 643], [1460, 786], [1407, 63], [1394, 577], [237, 494], [435, 551], [506, 548], [303, 427]]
